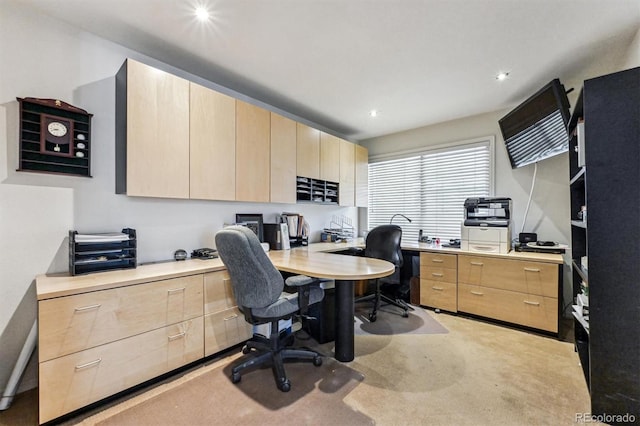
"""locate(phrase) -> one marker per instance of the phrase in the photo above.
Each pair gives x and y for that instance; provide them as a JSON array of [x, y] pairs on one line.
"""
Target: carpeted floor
[[462, 372]]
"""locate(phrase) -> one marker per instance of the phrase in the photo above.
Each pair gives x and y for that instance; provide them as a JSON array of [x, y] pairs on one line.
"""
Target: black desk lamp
[[398, 214]]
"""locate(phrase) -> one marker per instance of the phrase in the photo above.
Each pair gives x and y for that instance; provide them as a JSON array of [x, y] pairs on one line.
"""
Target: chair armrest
[[300, 280]]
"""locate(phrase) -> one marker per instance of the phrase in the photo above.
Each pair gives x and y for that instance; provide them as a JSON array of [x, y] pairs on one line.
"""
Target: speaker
[[528, 237]]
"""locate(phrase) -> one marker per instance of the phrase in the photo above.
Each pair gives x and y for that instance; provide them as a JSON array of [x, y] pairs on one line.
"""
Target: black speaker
[[528, 237]]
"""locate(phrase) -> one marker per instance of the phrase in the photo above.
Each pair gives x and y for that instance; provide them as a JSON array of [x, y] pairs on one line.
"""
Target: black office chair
[[383, 242], [258, 290]]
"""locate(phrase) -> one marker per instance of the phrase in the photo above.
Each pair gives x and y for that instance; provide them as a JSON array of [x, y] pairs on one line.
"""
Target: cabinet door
[[362, 176], [308, 152], [213, 144], [253, 153], [157, 133], [329, 157], [283, 159], [347, 173]]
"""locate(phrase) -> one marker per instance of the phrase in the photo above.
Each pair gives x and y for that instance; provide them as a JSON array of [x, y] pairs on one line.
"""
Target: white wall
[[45, 58], [632, 59]]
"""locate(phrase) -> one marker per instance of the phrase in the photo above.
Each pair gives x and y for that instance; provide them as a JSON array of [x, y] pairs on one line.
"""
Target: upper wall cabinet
[[308, 152], [152, 132], [213, 145], [283, 159], [329, 157], [362, 176], [253, 153], [347, 173]]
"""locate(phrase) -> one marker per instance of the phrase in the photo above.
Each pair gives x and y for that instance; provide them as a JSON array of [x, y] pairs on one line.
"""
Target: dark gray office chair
[[383, 242], [258, 290]]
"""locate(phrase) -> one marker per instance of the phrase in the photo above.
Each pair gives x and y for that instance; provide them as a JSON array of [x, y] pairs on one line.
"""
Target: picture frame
[[253, 221]]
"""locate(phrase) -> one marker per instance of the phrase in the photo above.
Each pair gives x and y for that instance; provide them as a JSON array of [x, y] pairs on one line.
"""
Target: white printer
[[487, 225]]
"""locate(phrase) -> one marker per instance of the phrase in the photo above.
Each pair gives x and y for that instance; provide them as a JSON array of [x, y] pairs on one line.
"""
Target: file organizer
[[102, 252]]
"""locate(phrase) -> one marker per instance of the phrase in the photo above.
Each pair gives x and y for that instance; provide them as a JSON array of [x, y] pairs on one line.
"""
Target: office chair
[[258, 290], [383, 242]]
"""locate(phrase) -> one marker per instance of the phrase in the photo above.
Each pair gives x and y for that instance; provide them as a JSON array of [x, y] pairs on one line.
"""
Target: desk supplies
[[102, 251]]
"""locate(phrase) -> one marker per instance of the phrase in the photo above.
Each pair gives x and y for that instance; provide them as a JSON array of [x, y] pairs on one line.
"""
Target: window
[[429, 187]]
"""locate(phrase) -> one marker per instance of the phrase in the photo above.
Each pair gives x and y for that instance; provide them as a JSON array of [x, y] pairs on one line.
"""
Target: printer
[[487, 225]]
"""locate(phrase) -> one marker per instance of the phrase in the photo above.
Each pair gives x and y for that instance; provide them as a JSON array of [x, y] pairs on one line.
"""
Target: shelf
[[583, 322], [579, 176], [316, 191], [579, 223], [583, 274]]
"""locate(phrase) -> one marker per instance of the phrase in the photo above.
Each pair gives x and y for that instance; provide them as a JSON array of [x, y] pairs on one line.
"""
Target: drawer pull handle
[[437, 274], [437, 260], [437, 288], [177, 336], [86, 308], [477, 263], [477, 293], [527, 302], [532, 269], [230, 317], [175, 290], [88, 364]]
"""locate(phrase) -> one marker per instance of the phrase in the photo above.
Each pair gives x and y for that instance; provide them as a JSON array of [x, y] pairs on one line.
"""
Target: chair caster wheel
[[235, 377], [246, 350], [405, 314], [285, 386], [373, 317], [317, 361]]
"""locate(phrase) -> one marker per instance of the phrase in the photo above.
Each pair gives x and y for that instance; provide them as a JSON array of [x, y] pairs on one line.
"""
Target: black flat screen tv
[[537, 128]]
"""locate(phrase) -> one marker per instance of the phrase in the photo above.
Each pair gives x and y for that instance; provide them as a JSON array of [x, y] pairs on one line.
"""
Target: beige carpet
[[390, 322]]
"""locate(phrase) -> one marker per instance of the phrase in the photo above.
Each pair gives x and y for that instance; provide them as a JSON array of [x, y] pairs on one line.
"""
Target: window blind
[[429, 188]]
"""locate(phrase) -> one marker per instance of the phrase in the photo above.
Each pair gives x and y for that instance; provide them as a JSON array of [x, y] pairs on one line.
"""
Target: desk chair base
[[377, 297], [273, 351]]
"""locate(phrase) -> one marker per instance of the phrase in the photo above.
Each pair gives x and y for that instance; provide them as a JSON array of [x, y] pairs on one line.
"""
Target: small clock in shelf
[[55, 137]]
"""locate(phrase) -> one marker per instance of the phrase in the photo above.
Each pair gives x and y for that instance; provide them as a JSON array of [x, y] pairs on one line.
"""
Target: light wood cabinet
[[74, 323], [81, 378], [362, 176], [329, 157], [224, 324], [438, 281], [152, 136], [212, 167], [517, 291], [308, 151], [347, 196], [253, 153], [283, 159]]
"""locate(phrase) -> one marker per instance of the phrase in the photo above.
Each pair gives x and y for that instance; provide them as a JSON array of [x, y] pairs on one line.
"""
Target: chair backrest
[[383, 242], [256, 282]]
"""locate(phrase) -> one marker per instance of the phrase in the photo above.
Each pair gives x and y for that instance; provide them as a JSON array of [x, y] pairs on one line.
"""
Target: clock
[[56, 135]]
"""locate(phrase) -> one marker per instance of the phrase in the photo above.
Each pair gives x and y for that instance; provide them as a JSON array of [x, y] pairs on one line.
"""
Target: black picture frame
[[253, 221]]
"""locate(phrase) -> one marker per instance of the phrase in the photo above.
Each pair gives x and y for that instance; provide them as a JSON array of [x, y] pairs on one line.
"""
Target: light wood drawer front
[[438, 260], [218, 293], [519, 308], [74, 323], [437, 294], [225, 329], [447, 275], [514, 275], [79, 379]]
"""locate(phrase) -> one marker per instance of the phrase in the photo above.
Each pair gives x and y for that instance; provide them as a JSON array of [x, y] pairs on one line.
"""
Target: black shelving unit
[[606, 244], [316, 191], [102, 253], [37, 154]]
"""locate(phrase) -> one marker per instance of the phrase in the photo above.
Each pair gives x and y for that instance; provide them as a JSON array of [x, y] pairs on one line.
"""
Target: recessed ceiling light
[[502, 76], [373, 113], [202, 13]]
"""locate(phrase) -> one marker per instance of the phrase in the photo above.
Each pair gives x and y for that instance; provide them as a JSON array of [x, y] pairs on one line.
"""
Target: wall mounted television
[[537, 128]]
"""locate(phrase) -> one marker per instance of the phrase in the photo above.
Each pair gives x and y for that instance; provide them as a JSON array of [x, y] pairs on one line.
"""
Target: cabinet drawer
[[438, 260], [74, 323], [518, 308], [437, 294], [225, 329], [218, 293], [447, 275], [514, 275], [73, 381]]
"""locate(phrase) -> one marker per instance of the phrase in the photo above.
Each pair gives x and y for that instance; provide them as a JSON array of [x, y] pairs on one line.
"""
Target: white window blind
[[430, 188]]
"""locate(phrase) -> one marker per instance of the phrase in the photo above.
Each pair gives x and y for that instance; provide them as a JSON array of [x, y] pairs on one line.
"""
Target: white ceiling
[[417, 62]]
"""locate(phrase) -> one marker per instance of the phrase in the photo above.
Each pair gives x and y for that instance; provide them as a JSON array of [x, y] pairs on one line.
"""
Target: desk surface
[[312, 262]]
